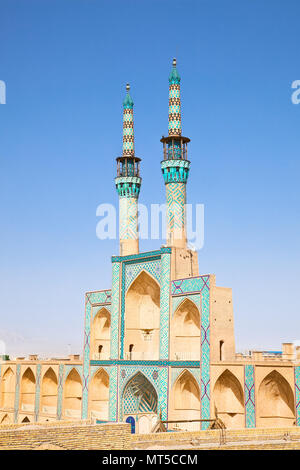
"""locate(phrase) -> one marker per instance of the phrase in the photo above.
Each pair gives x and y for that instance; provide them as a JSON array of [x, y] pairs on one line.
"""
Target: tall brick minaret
[[128, 183]]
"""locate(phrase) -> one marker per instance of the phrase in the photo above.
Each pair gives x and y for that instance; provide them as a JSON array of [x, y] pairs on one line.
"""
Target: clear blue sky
[[65, 64]]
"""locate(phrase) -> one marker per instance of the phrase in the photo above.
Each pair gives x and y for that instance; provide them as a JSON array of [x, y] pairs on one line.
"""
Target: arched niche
[[185, 402], [49, 392], [100, 335], [8, 389], [185, 332], [99, 395], [72, 395], [142, 318], [27, 391], [275, 402], [140, 401], [25, 420], [228, 398]]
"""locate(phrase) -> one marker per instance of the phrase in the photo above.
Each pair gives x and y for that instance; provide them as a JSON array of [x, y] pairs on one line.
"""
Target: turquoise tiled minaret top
[[174, 102], [128, 180]]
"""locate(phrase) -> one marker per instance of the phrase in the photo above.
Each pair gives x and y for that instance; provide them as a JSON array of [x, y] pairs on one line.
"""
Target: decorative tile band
[[115, 305], [164, 305], [37, 392], [205, 351], [60, 390], [249, 396], [17, 393], [189, 285], [147, 255], [123, 362], [297, 394]]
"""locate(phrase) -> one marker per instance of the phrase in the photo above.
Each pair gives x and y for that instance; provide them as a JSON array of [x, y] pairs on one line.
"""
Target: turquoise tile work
[[249, 396], [102, 297], [60, 390], [17, 393], [164, 305], [37, 392], [297, 394], [115, 310]]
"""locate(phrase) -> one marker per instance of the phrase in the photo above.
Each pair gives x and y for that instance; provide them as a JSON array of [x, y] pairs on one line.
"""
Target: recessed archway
[[185, 402], [142, 318], [228, 400], [185, 332], [27, 394], [100, 335], [49, 392], [139, 400], [99, 395], [275, 404], [72, 395], [8, 389]]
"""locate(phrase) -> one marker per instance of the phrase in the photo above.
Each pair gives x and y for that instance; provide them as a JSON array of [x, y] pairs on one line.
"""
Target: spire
[[128, 131], [174, 102]]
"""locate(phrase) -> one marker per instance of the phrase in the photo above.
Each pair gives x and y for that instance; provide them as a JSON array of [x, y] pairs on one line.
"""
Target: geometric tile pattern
[[163, 393], [249, 396], [115, 301], [127, 374], [97, 297], [189, 285], [139, 396], [195, 298], [176, 199], [176, 371], [37, 392], [205, 354], [60, 390], [174, 109], [297, 394], [164, 305], [113, 394], [128, 218], [132, 270], [17, 393]]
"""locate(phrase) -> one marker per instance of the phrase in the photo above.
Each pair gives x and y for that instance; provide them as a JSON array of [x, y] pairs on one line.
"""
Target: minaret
[[175, 167], [128, 183]]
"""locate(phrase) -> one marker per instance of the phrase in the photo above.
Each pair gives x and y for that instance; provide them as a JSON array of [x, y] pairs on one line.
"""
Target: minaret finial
[[174, 62], [127, 87]]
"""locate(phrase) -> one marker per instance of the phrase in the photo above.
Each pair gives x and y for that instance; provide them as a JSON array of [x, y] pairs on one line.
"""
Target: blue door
[[131, 420]]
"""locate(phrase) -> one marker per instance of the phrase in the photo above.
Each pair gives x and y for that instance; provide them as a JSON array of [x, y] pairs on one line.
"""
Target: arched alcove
[[185, 332], [72, 395], [139, 400], [275, 402], [185, 401], [49, 392], [27, 391], [99, 395], [8, 389], [142, 317], [228, 400], [100, 335]]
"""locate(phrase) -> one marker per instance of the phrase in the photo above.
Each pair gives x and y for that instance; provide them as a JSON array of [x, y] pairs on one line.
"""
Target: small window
[[221, 350]]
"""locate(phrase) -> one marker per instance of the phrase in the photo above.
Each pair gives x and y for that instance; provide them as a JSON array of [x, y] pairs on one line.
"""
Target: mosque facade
[[158, 345]]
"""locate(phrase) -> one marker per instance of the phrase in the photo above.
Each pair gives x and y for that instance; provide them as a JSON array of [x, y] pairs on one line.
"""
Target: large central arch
[[142, 316], [140, 401]]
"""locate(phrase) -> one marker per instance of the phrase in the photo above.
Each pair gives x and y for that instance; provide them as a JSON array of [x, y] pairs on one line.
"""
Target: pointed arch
[[72, 395], [185, 331], [228, 398], [185, 401], [100, 334], [49, 392], [99, 395], [139, 398], [275, 404], [8, 389], [25, 420], [27, 391], [5, 419], [142, 317]]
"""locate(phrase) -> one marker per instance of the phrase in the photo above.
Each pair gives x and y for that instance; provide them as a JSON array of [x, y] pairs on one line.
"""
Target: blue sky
[[65, 64]]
